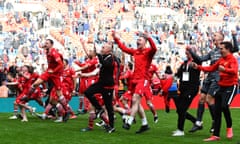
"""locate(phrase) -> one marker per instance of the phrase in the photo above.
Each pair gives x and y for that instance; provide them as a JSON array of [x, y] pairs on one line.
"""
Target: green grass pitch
[[37, 131]]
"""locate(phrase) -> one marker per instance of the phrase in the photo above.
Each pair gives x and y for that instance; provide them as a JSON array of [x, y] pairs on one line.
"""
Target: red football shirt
[[128, 76], [55, 61], [153, 69], [28, 83], [229, 76], [142, 58], [21, 81], [68, 78]]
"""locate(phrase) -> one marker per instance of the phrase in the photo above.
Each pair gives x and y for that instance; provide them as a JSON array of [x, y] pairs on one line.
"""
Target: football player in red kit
[[148, 92], [166, 82], [53, 74], [25, 81], [90, 65], [142, 60], [69, 84], [127, 96], [68, 80]]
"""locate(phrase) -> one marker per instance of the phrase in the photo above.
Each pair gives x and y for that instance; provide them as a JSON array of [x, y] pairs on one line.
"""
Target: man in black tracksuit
[[105, 85], [188, 87]]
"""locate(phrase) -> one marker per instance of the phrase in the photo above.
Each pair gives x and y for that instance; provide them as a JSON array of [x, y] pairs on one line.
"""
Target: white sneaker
[[34, 109], [41, 116], [59, 119], [178, 133], [100, 124], [13, 117], [124, 118], [199, 123], [24, 120]]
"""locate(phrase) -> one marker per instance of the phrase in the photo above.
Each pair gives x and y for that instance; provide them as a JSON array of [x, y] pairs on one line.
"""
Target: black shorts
[[210, 87]]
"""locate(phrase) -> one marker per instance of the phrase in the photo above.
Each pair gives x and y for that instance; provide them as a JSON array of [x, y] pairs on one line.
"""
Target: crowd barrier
[[6, 104]]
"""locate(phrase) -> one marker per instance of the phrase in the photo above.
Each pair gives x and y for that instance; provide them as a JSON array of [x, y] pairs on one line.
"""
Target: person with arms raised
[[142, 60]]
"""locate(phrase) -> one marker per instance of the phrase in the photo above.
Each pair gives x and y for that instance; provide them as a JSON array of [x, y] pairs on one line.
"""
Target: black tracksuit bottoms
[[182, 102], [107, 94], [223, 99]]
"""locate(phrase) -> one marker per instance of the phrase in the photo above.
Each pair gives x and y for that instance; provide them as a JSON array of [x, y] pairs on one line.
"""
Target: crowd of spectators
[[93, 20]]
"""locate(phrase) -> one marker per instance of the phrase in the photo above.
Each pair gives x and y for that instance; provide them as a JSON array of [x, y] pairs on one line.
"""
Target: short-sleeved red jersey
[[55, 61]]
